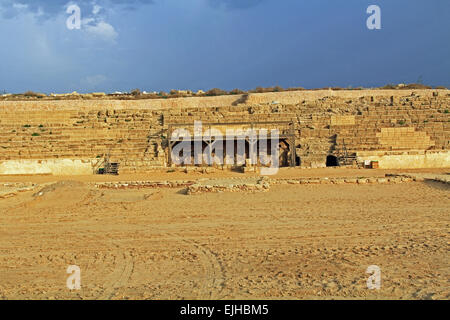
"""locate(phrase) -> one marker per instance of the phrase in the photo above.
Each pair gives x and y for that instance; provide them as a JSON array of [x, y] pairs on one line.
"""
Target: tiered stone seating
[[123, 134], [136, 137]]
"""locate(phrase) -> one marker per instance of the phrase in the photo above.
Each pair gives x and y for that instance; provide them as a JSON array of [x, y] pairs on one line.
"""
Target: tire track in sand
[[119, 277], [213, 285]]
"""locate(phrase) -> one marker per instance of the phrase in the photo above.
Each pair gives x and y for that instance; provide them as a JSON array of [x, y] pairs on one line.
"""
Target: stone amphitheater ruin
[[400, 129], [163, 231]]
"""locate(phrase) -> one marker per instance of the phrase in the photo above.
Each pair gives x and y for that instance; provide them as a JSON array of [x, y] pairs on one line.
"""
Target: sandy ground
[[168, 175], [292, 242]]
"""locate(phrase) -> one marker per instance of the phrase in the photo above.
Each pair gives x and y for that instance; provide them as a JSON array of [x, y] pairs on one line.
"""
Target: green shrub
[[416, 86], [216, 92], [31, 94], [389, 86], [35, 134], [278, 89], [259, 90], [236, 91], [136, 92]]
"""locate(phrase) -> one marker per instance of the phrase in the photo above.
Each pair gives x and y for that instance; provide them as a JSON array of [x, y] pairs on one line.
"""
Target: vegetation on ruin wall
[[137, 94]]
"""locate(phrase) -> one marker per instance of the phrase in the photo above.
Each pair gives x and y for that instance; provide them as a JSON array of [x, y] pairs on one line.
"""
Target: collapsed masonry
[[399, 129]]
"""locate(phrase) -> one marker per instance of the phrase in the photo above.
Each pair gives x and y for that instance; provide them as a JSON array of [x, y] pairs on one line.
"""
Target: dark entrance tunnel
[[189, 159], [332, 161]]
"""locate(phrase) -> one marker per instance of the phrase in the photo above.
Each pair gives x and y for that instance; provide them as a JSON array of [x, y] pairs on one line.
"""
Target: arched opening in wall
[[232, 152], [298, 161], [284, 153], [183, 153], [234, 145], [332, 161]]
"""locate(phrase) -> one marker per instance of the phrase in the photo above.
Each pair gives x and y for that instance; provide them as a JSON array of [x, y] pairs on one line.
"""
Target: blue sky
[[201, 44]]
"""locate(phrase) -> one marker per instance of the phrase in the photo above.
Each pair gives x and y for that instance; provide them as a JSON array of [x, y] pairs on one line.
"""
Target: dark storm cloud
[[50, 8], [235, 4]]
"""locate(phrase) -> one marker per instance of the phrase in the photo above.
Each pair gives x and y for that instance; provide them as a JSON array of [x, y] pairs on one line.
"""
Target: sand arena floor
[[292, 242]]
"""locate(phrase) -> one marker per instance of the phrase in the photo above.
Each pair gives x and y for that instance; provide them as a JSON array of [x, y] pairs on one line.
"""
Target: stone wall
[[408, 159], [48, 166], [400, 128], [288, 97]]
